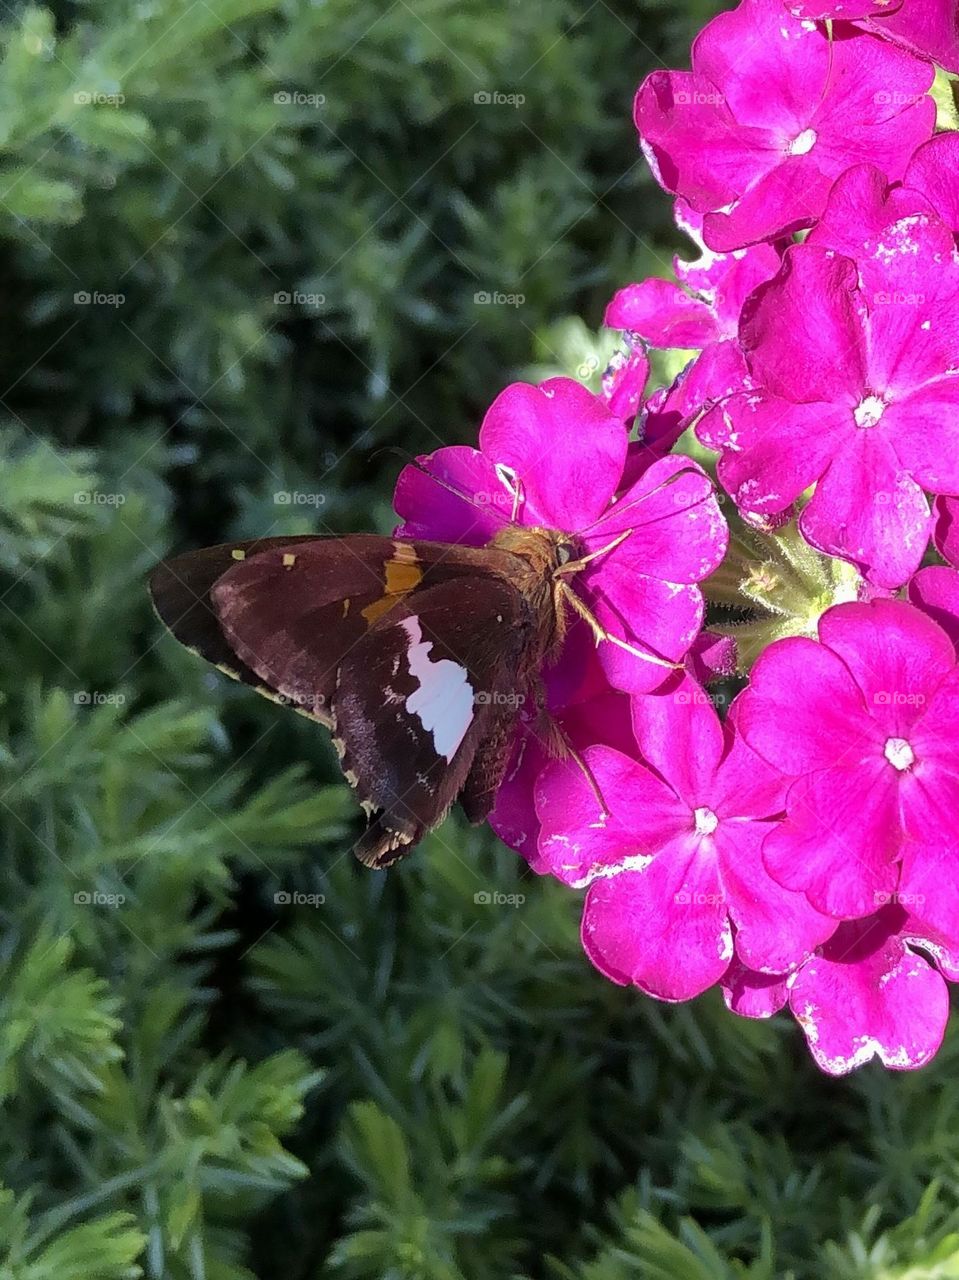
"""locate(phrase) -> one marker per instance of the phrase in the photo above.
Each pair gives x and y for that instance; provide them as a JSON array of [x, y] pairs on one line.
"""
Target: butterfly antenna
[[691, 470], [459, 493]]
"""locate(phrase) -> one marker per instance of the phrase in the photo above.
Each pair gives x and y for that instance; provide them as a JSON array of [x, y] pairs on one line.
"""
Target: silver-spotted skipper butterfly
[[417, 655]]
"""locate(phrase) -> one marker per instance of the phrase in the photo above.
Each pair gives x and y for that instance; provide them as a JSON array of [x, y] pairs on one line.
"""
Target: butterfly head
[[544, 550]]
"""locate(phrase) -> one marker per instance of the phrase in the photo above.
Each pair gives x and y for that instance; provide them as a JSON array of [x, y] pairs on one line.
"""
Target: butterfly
[[420, 657]]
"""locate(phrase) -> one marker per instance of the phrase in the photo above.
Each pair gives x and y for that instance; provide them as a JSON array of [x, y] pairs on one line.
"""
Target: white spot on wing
[[443, 700]]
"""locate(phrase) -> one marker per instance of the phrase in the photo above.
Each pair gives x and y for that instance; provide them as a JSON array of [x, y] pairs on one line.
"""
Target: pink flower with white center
[[556, 454], [867, 723], [772, 112], [874, 989], [927, 27], [855, 368], [674, 869]]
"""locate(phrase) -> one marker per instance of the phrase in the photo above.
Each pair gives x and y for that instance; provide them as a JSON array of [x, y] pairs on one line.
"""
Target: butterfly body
[[418, 656]]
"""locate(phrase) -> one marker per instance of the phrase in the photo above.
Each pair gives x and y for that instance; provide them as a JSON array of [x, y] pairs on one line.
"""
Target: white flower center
[[868, 412], [706, 822], [803, 143], [899, 753]]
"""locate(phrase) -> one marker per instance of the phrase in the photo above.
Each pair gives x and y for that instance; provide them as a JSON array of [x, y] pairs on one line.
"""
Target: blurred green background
[[246, 245]]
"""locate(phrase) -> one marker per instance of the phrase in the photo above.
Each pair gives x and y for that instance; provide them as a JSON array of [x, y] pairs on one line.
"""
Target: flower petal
[[932, 172], [897, 656], [926, 426], [868, 510], [564, 445], [782, 201], [430, 510], [910, 281], [679, 734], [802, 709], [861, 205], [868, 995], [947, 528], [660, 618], [772, 449], [775, 929], [935, 591], [664, 928], [802, 333], [676, 530], [753, 995], [693, 143], [840, 838], [578, 842], [662, 314]]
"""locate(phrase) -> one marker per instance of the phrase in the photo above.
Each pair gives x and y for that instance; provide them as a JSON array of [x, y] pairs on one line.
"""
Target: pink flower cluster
[[798, 851]]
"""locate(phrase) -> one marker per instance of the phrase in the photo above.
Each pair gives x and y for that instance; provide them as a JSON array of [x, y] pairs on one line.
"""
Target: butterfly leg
[[559, 745], [566, 593]]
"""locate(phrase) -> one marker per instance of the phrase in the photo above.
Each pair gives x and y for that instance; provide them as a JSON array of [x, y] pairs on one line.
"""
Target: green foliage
[[225, 1050]]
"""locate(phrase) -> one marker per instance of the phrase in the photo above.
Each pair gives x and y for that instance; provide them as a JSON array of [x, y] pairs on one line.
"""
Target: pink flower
[[772, 112], [705, 306], [862, 204], [702, 311], [675, 866], [867, 723], [559, 454], [927, 27], [856, 374], [874, 989]]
